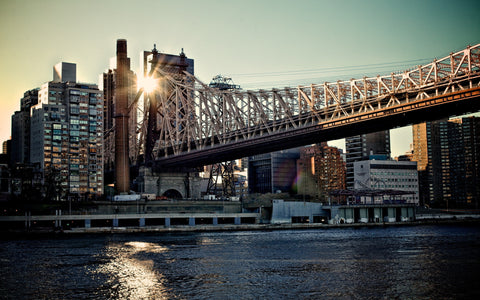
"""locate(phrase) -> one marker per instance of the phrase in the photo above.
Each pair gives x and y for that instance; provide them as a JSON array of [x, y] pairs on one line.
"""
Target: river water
[[419, 262]]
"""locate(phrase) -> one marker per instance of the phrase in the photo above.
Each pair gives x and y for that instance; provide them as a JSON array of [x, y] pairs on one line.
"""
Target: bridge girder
[[201, 125]]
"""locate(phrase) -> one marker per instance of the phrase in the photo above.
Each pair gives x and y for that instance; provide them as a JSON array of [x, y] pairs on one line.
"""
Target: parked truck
[[133, 197]]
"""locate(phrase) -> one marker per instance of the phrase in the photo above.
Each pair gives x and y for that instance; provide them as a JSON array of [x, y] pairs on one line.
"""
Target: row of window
[[64, 159], [384, 179], [81, 93], [93, 121], [77, 111], [393, 186]]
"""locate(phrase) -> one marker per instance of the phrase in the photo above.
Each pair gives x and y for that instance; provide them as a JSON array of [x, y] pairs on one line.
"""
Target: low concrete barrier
[[133, 220]]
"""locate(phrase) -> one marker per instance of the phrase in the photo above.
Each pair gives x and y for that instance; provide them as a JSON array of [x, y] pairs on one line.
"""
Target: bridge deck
[[408, 113]]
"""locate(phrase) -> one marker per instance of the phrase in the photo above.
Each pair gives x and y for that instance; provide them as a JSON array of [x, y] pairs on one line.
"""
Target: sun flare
[[147, 83]]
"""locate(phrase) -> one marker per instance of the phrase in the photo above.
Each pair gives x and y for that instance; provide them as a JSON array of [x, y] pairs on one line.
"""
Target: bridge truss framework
[[197, 124]]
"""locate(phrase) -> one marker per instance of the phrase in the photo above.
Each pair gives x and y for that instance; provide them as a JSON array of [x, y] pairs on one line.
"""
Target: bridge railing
[[456, 65]]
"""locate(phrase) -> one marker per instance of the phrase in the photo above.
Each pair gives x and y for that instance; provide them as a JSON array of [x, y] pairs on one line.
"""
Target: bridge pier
[[170, 184]]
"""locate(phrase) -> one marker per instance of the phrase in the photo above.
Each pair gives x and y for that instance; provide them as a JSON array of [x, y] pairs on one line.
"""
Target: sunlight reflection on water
[[130, 277], [424, 262]]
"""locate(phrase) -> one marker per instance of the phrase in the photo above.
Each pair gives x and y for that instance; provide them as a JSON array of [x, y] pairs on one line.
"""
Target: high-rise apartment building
[[471, 151], [273, 172], [449, 152], [67, 134], [362, 147], [21, 128], [323, 170], [20, 137]]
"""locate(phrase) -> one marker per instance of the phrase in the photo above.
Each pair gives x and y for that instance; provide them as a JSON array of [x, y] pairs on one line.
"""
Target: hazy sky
[[260, 44]]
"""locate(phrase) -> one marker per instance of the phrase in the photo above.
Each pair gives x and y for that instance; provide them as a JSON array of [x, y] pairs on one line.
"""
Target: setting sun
[[147, 83]]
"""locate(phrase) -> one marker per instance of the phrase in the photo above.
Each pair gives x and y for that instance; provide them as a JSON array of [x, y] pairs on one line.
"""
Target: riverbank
[[229, 227]]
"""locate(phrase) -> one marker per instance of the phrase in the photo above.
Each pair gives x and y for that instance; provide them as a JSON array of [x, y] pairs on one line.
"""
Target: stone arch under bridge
[[172, 194], [173, 185]]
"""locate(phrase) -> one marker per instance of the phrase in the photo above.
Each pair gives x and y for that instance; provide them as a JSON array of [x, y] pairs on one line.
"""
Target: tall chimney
[[122, 167]]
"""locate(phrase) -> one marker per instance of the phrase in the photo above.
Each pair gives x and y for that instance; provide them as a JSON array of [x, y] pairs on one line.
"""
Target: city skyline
[[258, 44]]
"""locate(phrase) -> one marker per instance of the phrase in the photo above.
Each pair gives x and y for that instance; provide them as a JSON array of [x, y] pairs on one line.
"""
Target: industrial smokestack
[[122, 166]]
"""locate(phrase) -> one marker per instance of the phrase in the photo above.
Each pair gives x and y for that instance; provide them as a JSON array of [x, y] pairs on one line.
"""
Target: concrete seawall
[[232, 227], [99, 222]]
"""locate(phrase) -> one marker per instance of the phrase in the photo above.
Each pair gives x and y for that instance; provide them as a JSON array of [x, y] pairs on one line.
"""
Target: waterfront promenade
[[197, 222]]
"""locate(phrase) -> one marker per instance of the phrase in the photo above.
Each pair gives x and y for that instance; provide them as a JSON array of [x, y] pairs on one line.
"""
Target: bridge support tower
[[177, 185]]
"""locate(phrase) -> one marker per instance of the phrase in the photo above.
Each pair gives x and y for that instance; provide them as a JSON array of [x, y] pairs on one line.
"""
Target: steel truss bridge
[[188, 123]]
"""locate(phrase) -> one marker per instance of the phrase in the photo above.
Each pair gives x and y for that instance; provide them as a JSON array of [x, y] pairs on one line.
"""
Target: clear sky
[[260, 44]]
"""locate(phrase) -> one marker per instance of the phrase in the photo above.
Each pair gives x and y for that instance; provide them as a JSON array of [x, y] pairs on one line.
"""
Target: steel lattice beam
[[199, 124]]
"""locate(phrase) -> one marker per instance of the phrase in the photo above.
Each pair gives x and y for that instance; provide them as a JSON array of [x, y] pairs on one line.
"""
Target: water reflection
[[423, 262], [129, 271]]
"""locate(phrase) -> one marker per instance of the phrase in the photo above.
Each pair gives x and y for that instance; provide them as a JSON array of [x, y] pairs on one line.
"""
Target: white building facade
[[388, 175]]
